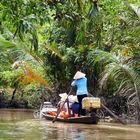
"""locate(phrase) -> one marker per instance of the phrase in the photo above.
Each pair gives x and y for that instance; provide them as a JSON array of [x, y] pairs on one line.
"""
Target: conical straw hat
[[73, 98], [78, 75], [63, 96]]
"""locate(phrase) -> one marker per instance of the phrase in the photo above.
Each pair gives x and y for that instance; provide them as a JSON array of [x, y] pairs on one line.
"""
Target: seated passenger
[[74, 105], [61, 102]]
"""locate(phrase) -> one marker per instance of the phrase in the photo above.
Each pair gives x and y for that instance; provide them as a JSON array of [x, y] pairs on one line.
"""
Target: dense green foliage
[[99, 37]]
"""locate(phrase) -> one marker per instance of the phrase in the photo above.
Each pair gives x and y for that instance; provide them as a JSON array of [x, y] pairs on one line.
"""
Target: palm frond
[[124, 74], [136, 9], [54, 51], [6, 44], [101, 58], [133, 7]]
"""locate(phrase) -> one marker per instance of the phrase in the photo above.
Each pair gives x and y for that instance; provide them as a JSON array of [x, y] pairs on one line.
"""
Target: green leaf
[[6, 44]]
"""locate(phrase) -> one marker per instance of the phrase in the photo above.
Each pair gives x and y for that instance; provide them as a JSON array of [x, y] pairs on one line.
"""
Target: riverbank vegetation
[[44, 42]]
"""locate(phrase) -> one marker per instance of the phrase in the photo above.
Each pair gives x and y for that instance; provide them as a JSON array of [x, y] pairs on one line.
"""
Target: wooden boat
[[47, 107], [82, 119]]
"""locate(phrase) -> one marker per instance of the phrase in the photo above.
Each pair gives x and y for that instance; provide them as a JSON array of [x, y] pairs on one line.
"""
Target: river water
[[21, 125]]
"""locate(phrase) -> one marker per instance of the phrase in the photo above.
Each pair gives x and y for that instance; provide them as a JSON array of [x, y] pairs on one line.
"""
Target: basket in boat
[[91, 102]]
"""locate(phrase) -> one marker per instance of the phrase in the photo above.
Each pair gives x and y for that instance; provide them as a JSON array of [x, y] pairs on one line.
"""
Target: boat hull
[[82, 119]]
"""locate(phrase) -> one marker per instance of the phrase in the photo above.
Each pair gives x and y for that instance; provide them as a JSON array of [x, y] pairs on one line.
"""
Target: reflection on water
[[15, 114], [25, 127]]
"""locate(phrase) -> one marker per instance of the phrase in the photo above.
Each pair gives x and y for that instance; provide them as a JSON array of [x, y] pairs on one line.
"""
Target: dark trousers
[[80, 98], [75, 108]]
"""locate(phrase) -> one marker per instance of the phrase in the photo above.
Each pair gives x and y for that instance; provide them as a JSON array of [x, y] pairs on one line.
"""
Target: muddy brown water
[[21, 125]]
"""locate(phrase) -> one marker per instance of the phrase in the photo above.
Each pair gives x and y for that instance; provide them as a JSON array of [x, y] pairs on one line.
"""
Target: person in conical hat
[[80, 81], [74, 105], [63, 96], [78, 75], [62, 100]]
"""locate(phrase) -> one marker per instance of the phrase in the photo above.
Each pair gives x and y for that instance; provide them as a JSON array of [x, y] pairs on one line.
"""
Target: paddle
[[114, 115], [58, 112]]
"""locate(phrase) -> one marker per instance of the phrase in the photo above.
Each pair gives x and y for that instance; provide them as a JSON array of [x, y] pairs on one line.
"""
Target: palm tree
[[119, 70]]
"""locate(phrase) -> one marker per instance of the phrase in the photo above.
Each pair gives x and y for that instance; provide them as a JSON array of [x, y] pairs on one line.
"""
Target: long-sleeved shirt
[[81, 86]]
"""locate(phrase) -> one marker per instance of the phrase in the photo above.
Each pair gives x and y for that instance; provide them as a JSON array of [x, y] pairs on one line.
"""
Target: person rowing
[[80, 81]]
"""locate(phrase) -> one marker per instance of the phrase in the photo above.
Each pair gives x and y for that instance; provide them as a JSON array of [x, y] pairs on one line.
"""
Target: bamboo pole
[[114, 115]]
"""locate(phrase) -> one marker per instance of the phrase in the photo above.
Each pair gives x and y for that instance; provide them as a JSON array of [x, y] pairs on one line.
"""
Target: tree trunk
[[14, 92]]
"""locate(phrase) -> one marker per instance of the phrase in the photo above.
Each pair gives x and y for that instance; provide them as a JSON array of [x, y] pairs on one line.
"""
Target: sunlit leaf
[[6, 44]]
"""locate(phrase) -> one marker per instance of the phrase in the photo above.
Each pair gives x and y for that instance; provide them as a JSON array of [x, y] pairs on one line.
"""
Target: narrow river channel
[[21, 125]]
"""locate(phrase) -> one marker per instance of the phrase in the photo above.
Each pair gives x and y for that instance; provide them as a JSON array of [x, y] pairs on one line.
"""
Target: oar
[[114, 115], [58, 112]]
